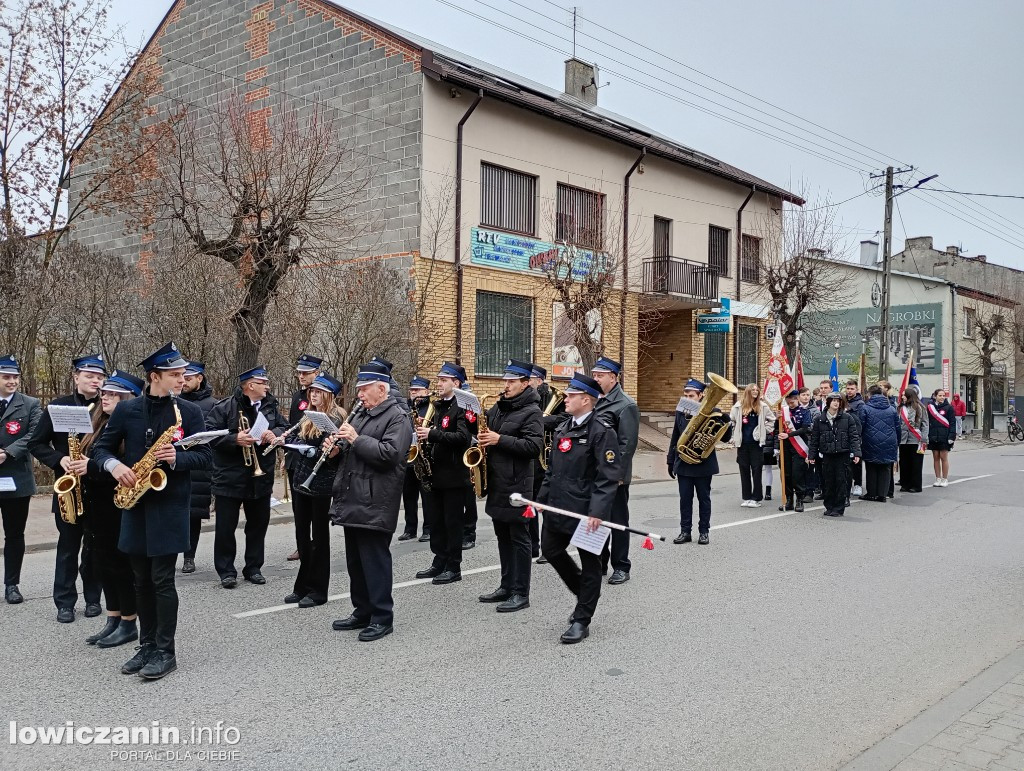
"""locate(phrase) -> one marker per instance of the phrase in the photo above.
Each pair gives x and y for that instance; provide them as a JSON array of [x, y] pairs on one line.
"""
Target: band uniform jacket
[[451, 434], [17, 425], [201, 497], [625, 419], [299, 405], [584, 472], [708, 466], [49, 446], [368, 485], [510, 463], [231, 477], [159, 522]]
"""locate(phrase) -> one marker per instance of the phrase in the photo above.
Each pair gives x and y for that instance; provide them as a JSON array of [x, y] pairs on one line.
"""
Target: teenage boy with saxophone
[[156, 529]]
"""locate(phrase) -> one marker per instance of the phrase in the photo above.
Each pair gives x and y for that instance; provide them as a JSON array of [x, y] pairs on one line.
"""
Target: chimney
[[869, 253], [924, 243], [954, 250], [581, 81], [981, 258]]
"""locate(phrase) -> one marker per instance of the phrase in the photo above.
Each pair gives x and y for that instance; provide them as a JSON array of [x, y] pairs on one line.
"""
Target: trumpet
[[248, 451], [557, 397], [307, 486]]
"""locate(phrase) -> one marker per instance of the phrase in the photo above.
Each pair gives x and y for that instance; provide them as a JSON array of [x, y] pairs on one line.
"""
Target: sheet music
[[202, 437], [7, 485], [302, 449], [321, 420], [260, 425], [70, 419], [591, 542], [467, 400]]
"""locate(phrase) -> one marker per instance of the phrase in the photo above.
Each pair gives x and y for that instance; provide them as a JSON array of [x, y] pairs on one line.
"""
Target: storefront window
[[504, 330]]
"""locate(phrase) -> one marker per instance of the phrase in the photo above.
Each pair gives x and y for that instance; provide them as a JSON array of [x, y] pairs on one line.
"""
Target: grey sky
[[934, 83]]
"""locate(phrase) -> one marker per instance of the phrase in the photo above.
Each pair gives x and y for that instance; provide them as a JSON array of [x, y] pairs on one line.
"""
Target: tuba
[[148, 476], [557, 397], [475, 458], [705, 428]]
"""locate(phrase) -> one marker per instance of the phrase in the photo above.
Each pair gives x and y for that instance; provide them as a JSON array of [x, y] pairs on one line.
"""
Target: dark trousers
[[195, 527], [795, 473], [687, 487], [534, 524], [448, 508], [157, 599], [313, 536], [368, 556], [834, 471], [69, 542], [471, 516], [856, 473], [583, 580], [750, 458], [878, 476], [113, 565], [515, 555], [911, 464], [15, 515], [257, 520], [618, 552], [410, 500]]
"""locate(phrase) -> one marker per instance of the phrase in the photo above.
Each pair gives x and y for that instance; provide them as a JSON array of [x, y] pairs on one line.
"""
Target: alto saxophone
[[705, 428], [557, 397], [475, 458], [147, 475], [421, 458], [69, 487]]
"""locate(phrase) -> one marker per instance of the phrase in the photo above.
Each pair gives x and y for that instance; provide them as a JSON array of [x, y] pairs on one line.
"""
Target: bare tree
[[990, 331], [438, 276]]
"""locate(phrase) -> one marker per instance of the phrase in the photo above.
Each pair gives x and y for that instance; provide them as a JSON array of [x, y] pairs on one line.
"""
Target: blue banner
[[494, 249]]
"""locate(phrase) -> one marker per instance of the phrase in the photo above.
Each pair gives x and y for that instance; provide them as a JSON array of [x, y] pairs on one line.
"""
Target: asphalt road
[[791, 642]]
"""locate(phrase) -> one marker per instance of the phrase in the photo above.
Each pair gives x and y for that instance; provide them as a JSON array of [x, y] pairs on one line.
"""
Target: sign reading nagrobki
[[494, 249], [911, 327]]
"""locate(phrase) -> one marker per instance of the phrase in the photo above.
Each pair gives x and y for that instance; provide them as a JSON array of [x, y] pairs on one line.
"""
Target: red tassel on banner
[[648, 543], [530, 513]]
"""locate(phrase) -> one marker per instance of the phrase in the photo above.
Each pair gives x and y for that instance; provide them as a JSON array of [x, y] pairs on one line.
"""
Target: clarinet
[[306, 487]]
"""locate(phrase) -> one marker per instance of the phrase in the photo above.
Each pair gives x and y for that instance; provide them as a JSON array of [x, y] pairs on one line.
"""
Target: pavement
[[791, 642]]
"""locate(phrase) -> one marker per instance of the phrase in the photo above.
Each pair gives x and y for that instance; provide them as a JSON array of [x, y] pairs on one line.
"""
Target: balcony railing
[[676, 276]]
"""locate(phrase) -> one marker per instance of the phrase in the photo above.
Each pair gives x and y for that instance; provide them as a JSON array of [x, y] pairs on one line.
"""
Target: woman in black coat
[[941, 435], [833, 442], [102, 521], [512, 441]]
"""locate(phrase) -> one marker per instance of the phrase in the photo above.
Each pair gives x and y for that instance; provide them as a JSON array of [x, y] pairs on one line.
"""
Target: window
[[714, 354], [579, 218], [504, 330], [970, 319], [662, 237], [998, 395], [718, 249], [747, 337], [507, 199], [750, 267]]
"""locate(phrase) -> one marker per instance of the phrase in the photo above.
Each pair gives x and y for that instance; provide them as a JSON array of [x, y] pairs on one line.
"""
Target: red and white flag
[[778, 382], [797, 441], [799, 370]]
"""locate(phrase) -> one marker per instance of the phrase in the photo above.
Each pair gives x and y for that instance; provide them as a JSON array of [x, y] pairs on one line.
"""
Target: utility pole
[[883, 340]]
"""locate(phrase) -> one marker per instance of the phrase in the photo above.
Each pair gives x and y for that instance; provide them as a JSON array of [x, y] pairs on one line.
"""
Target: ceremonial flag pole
[[777, 384]]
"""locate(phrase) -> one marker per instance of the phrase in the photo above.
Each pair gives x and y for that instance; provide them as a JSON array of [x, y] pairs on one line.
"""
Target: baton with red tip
[[518, 500]]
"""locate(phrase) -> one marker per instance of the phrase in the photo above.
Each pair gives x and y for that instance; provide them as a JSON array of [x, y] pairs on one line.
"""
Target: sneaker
[[754, 504], [857, 490], [937, 482], [745, 504], [945, 482]]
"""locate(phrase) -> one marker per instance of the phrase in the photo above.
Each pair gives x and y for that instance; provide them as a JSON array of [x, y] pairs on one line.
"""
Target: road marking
[[970, 479]]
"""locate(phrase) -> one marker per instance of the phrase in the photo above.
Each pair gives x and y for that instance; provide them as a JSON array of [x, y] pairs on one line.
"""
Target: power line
[[986, 195], [968, 222]]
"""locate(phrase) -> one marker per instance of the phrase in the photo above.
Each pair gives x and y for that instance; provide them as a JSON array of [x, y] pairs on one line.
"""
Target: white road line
[[970, 479]]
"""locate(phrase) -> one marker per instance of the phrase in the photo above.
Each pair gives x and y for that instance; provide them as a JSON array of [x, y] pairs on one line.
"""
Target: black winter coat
[[302, 465], [938, 434], [369, 482], [231, 477], [510, 463], [299, 405], [707, 467], [201, 497], [159, 523], [584, 472], [839, 438], [99, 487], [451, 433]]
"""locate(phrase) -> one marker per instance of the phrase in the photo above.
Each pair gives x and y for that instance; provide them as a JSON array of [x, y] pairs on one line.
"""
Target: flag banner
[[797, 441], [910, 376], [799, 367], [833, 374], [778, 382]]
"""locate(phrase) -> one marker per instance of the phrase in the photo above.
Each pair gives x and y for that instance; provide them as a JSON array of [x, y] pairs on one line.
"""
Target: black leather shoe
[[310, 602], [424, 536], [256, 578], [866, 497], [65, 615], [819, 497], [799, 505], [447, 577], [229, 582], [768, 493], [833, 514], [498, 595], [160, 664], [108, 628], [349, 624], [787, 507], [576, 632], [430, 572], [188, 565], [703, 539], [92, 609], [683, 537], [467, 545], [535, 552], [542, 560], [139, 660], [12, 595], [375, 632], [514, 603], [619, 577], [127, 631], [292, 598], [407, 536]]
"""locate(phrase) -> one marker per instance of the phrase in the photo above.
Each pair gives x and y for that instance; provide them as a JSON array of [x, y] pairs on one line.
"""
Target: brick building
[[525, 168]]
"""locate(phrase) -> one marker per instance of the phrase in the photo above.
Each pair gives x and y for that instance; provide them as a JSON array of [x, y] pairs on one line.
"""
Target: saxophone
[[705, 428], [69, 487], [147, 475], [557, 397], [475, 458], [421, 458]]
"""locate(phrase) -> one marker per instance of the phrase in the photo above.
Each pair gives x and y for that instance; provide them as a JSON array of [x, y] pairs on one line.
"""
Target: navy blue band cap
[[256, 373], [372, 372], [166, 357], [308, 363], [604, 364], [452, 370], [90, 362], [516, 369], [195, 368], [123, 383], [794, 393], [695, 384], [419, 382], [581, 384], [387, 364], [325, 382], [9, 366], [538, 371]]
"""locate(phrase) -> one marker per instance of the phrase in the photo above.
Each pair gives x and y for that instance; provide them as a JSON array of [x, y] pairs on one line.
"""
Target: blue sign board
[[720, 321], [494, 249]]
